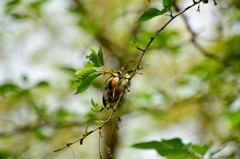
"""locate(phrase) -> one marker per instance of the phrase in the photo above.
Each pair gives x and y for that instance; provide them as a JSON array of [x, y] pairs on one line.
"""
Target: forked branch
[[129, 79]]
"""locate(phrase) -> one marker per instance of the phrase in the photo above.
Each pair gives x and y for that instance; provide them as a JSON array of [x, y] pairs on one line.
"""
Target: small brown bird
[[115, 84]]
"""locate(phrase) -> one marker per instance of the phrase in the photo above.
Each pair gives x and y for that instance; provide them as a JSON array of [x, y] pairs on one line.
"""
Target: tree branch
[[129, 79], [161, 29], [99, 127]]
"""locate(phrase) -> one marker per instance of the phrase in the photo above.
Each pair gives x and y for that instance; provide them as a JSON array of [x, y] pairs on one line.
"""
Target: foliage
[[153, 12], [174, 148], [85, 76]]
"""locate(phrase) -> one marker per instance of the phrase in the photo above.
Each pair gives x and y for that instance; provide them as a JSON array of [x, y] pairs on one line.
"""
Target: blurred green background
[[190, 87]]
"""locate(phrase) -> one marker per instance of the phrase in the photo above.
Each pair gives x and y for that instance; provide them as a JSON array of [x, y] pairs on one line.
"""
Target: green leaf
[[93, 103], [62, 114], [173, 148], [88, 65], [100, 56], [234, 118], [37, 4], [85, 77], [8, 87], [200, 149], [147, 145], [39, 133], [68, 69], [84, 73], [131, 42], [17, 16], [89, 25], [151, 13], [7, 155], [84, 84], [11, 5], [93, 57], [42, 84], [205, 1], [167, 4]]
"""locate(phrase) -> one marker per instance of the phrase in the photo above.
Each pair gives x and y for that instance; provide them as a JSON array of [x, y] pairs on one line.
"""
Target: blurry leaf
[[147, 145], [233, 60], [162, 40], [42, 84], [11, 5], [131, 42], [40, 109], [10, 90], [100, 56], [200, 149], [151, 13], [93, 103], [167, 4], [8, 87], [22, 93], [205, 1], [173, 148], [208, 69], [88, 65], [230, 50], [39, 134], [76, 10], [89, 26], [96, 59], [37, 4], [6, 155], [90, 117], [68, 69], [85, 77], [234, 118], [35, 7], [17, 16], [62, 114]]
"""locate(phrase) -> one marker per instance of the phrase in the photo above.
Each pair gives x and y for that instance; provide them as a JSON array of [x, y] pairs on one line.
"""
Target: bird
[[115, 84]]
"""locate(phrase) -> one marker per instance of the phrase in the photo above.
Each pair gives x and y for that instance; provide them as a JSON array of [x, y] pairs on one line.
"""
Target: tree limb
[[133, 73]]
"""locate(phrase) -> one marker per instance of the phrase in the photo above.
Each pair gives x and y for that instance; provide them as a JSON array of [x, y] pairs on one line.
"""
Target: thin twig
[[133, 73], [91, 131], [159, 30]]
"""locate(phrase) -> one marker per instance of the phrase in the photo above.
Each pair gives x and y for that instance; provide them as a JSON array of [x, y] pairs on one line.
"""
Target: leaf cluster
[[174, 148], [153, 12], [85, 76]]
